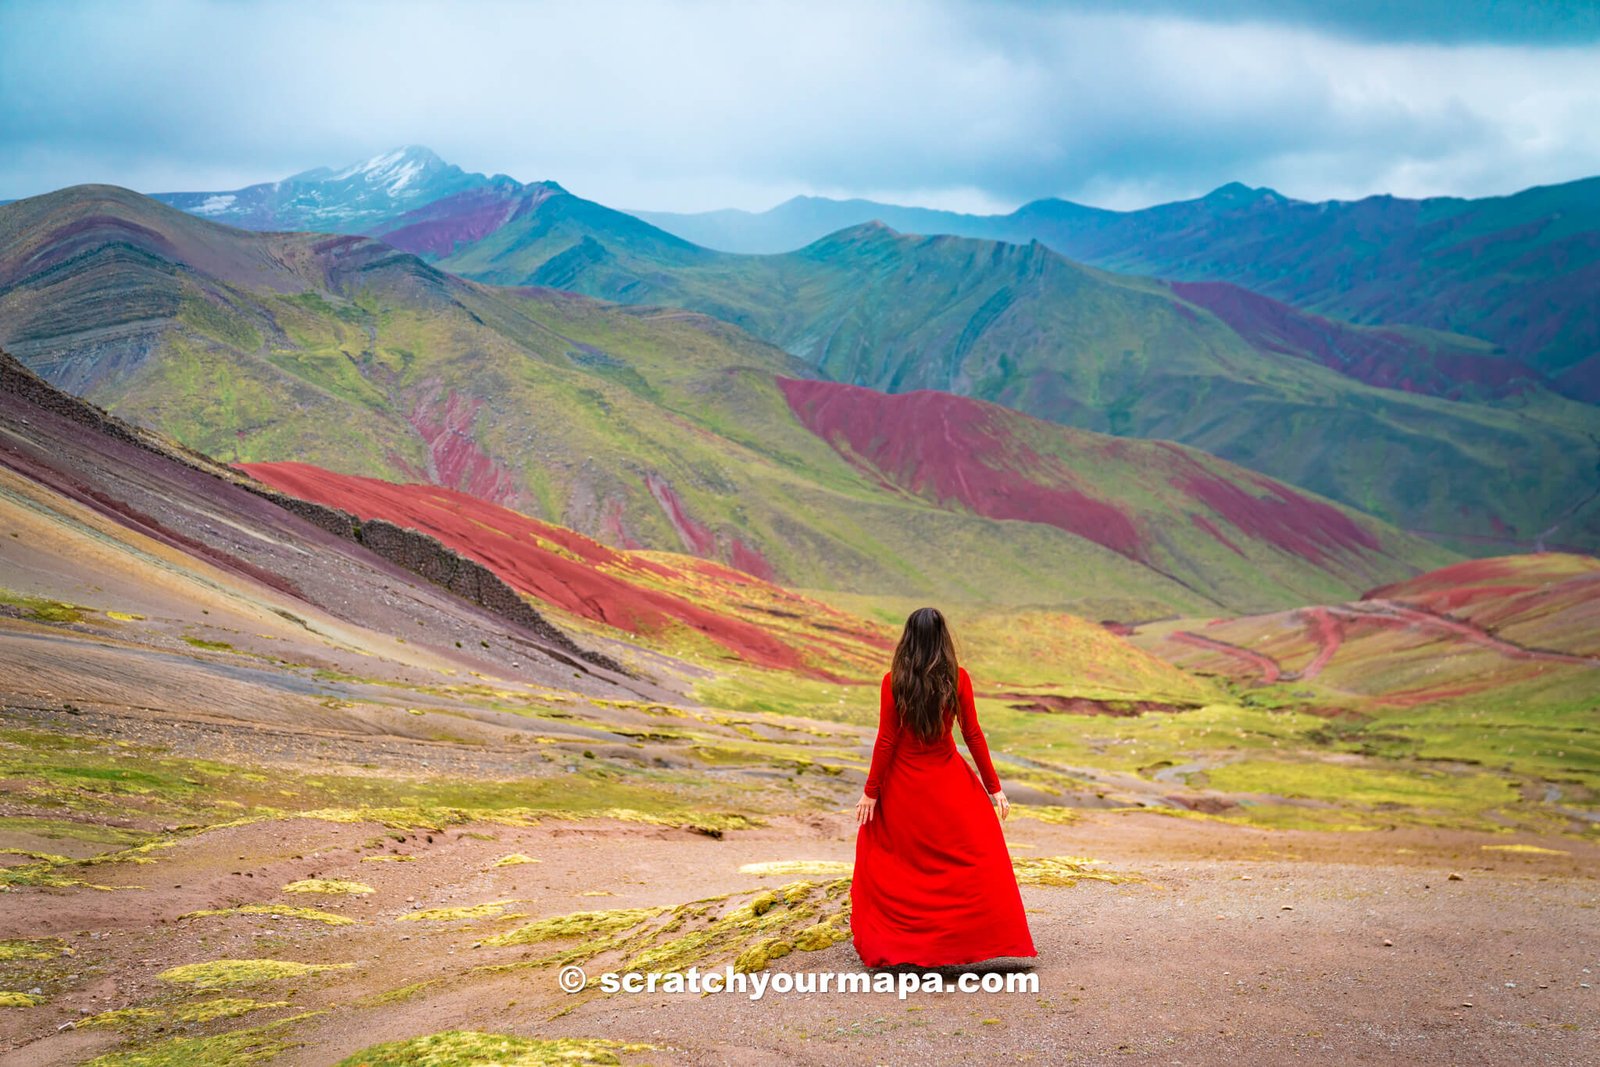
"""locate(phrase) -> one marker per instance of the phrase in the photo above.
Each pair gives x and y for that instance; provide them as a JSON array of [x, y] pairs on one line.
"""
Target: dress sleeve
[[972, 734], [888, 736]]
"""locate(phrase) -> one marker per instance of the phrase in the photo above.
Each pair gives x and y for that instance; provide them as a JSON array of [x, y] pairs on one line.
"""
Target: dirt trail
[[1394, 612], [1239, 944], [1329, 636], [1265, 665]]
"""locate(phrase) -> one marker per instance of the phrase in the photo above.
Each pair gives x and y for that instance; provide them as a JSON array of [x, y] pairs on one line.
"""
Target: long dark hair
[[923, 676]]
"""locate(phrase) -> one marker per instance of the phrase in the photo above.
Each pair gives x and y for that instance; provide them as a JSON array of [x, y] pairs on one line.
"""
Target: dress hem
[[1030, 954]]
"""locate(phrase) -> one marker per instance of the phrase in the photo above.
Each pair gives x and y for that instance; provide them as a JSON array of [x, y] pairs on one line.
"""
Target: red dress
[[933, 883]]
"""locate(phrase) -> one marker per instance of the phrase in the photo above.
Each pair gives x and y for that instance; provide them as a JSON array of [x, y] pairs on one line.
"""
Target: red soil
[[750, 561], [1518, 573], [1209, 527], [439, 228], [1329, 635], [696, 537], [1266, 665], [1282, 517], [612, 521], [1054, 704], [1378, 357], [554, 564], [953, 449], [459, 462]]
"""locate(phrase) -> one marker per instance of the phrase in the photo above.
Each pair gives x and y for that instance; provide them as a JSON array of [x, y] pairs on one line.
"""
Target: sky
[[972, 105]]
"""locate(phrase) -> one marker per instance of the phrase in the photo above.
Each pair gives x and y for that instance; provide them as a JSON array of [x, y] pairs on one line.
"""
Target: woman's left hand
[[1002, 805], [864, 809]]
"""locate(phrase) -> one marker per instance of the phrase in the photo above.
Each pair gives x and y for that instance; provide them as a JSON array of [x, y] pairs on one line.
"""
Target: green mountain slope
[[643, 427], [1022, 326], [1519, 271]]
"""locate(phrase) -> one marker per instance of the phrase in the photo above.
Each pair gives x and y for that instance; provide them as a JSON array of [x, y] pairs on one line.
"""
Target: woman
[[933, 881]]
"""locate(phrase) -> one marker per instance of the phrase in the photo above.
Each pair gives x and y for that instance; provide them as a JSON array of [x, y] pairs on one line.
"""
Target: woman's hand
[[1001, 803], [864, 809]]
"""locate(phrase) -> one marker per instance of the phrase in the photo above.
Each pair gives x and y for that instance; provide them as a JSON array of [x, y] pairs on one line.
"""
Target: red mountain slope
[[1388, 358], [638, 592], [1151, 501], [1459, 631]]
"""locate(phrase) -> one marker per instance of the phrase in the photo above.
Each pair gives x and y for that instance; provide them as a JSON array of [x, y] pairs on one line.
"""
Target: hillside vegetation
[[641, 427], [1434, 432], [1518, 271]]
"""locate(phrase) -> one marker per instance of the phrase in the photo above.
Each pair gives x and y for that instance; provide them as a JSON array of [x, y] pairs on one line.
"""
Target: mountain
[[1287, 393], [640, 427], [801, 220], [1487, 625], [1491, 662], [564, 235], [99, 507], [1514, 271], [1518, 271], [634, 593], [349, 199]]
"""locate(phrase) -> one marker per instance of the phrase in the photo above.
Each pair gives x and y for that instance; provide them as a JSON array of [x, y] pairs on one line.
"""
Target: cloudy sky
[[697, 104]]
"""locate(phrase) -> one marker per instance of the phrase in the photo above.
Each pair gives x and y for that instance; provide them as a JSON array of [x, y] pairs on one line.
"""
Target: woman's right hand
[[864, 808], [1001, 803]]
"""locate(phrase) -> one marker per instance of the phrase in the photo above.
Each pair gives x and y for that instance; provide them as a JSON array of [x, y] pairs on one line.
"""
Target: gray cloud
[[1538, 22], [703, 104]]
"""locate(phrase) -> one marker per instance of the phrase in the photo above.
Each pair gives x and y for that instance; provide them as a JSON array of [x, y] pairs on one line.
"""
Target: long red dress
[[933, 883]]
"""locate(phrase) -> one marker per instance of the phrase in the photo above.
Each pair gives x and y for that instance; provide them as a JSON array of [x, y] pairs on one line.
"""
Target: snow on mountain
[[354, 199]]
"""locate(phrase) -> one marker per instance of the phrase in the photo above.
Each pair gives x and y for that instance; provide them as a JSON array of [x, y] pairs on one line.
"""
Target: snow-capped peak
[[393, 169]]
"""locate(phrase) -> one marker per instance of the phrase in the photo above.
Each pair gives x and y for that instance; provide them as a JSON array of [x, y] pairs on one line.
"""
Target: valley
[[273, 792]]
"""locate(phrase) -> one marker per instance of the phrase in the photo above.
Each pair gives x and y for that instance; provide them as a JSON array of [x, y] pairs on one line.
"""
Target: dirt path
[[1329, 635], [1266, 665], [1393, 612], [1239, 945]]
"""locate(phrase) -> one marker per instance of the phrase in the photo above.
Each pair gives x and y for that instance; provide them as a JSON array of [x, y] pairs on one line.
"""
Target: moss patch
[[469, 1048], [39, 609], [19, 1000], [819, 868], [283, 911], [586, 924], [431, 817], [121, 1018], [236, 1048], [223, 1008], [332, 886], [1065, 871], [1055, 816], [219, 973], [445, 915], [1413, 794], [44, 948], [1530, 849], [754, 928], [756, 957], [514, 860], [209, 645], [395, 996]]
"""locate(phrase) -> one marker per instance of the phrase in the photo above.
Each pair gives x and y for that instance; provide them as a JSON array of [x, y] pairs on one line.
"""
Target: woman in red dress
[[933, 882]]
